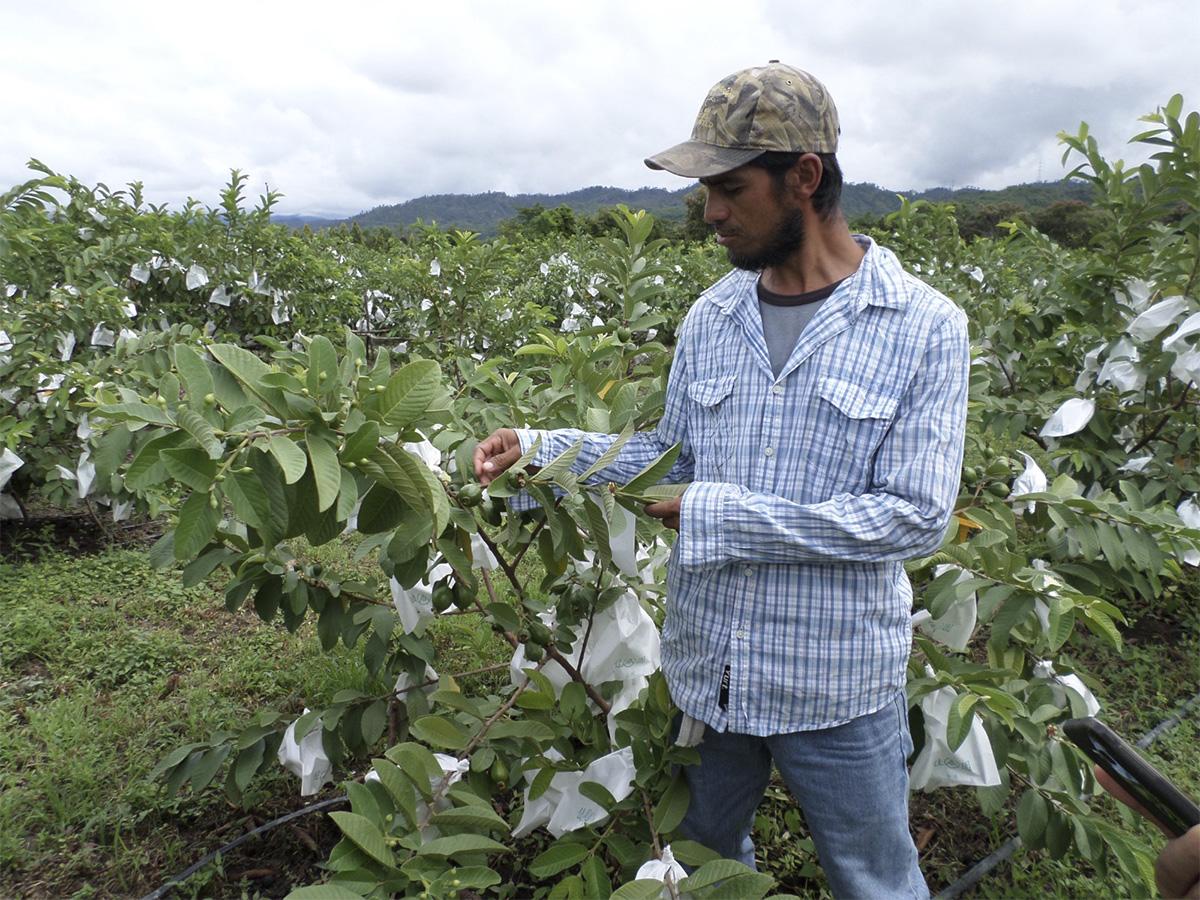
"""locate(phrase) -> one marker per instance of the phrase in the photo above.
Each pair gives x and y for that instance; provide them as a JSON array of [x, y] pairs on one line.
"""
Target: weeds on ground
[[105, 666]]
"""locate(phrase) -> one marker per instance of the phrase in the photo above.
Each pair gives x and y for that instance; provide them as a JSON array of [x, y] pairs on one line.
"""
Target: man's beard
[[787, 239]]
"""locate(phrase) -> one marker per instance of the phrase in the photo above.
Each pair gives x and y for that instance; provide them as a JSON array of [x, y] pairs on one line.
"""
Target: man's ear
[[804, 177]]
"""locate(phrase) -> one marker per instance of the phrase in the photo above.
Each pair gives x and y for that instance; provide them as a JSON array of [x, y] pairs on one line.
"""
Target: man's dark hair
[[828, 195]]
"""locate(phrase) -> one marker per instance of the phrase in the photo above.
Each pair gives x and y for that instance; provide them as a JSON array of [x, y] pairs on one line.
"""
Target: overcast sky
[[346, 106]]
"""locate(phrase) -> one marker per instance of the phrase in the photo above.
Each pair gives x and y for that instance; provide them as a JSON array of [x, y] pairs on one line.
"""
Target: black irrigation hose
[[191, 870], [1166, 724], [977, 872]]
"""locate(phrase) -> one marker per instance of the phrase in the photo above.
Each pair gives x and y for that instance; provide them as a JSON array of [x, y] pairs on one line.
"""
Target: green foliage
[[264, 450]]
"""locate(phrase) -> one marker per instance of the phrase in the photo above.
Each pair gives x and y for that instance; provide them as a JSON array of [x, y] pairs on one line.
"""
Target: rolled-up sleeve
[[639, 451]]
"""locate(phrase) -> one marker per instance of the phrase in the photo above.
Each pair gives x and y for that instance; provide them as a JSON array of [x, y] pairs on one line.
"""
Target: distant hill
[[485, 212], [300, 221], [871, 200]]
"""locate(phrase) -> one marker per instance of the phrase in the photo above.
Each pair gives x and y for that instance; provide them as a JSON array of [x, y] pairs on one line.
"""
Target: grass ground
[[106, 665]]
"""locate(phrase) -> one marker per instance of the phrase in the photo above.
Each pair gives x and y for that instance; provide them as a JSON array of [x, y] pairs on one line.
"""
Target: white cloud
[[346, 107]]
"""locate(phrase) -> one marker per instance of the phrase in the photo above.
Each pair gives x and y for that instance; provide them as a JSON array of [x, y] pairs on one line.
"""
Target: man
[[819, 394]]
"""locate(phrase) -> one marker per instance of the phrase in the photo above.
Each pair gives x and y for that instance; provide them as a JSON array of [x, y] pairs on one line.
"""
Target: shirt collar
[[878, 281]]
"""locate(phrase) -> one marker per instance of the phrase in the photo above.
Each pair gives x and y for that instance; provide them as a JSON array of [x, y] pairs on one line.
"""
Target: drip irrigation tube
[[979, 871], [191, 870], [1166, 724]]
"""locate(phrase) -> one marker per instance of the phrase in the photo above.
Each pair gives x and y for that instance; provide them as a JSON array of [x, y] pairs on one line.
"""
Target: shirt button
[[739, 633], [747, 571], [778, 389], [769, 451]]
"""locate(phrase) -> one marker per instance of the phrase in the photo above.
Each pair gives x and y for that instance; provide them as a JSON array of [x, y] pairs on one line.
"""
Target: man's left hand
[[667, 510]]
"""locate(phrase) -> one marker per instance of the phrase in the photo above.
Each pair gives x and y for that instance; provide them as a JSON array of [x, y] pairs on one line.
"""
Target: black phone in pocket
[[1153, 790]]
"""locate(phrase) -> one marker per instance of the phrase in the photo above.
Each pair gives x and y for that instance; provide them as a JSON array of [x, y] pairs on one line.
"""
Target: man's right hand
[[495, 454]]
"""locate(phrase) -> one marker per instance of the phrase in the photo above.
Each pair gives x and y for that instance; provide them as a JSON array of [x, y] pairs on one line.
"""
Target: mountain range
[[484, 212]]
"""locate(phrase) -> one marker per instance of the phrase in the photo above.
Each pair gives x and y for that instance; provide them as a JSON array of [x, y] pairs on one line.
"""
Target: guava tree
[[273, 455]]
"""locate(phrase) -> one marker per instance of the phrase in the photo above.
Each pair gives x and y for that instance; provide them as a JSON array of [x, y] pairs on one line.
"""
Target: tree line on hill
[[1061, 209]]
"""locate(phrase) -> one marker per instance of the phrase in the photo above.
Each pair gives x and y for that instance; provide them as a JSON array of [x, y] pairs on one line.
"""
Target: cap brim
[[696, 159]]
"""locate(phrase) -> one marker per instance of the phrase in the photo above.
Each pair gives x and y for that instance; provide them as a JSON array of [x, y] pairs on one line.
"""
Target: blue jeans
[[851, 782]]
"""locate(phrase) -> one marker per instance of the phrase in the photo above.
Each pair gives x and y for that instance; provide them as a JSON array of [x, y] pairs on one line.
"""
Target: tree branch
[[510, 571], [1154, 432], [532, 538], [465, 753], [551, 652], [649, 810], [668, 879]]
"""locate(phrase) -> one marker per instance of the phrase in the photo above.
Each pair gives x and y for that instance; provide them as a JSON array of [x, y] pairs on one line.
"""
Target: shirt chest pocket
[[710, 425], [850, 426]]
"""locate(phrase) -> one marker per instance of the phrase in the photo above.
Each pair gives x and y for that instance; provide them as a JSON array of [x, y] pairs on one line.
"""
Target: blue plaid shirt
[[809, 490]]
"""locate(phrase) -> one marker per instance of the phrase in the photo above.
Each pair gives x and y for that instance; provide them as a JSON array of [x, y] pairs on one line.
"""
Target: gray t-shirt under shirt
[[784, 317]]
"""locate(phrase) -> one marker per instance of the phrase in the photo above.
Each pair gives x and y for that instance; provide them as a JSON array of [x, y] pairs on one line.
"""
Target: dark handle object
[[1153, 790]]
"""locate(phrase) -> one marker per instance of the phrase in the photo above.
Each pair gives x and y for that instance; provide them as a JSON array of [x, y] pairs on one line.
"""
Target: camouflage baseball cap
[[771, 107]]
